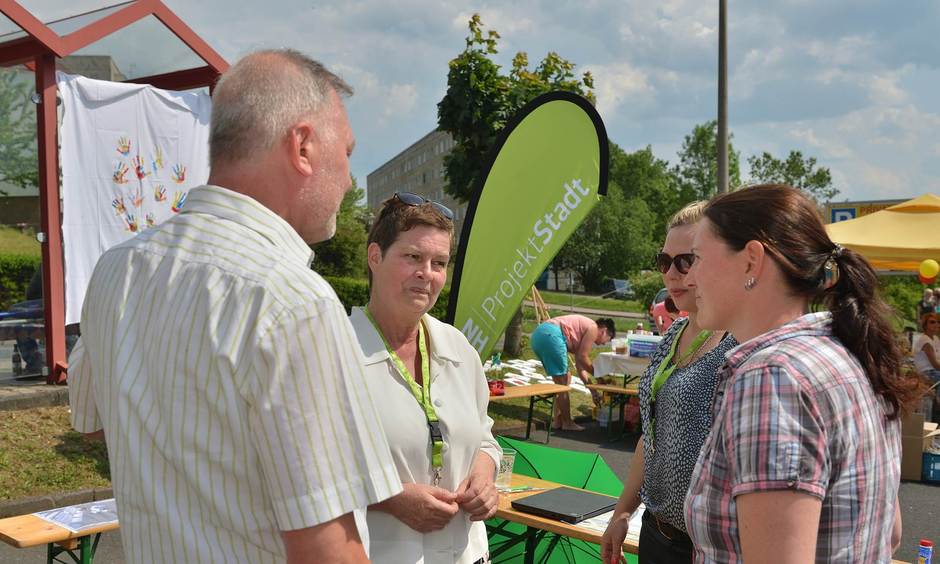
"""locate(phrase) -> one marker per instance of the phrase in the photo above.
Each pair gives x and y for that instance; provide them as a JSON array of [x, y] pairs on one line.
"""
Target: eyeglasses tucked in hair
[[412, 199], [683, 262]]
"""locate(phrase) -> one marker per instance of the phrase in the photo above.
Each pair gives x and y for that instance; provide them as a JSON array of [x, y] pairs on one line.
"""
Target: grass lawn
[[622, 324], [580, 300], [14, 242], [512, 413], [41, 455]]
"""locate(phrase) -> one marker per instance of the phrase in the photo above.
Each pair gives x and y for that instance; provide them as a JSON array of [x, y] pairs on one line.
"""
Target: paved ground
[[920, 503]]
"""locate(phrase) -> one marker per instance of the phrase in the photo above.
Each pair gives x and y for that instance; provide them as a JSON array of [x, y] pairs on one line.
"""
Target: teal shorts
[[548, 344]]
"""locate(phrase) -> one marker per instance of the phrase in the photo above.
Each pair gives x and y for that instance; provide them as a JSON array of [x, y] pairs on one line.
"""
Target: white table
[[613, 363]]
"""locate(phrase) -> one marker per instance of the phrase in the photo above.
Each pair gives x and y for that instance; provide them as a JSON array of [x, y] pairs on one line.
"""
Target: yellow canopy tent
[[895, 238]]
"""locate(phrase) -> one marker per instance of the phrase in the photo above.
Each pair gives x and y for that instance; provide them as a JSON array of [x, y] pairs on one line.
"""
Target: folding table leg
[[550, 400], [528, 421]]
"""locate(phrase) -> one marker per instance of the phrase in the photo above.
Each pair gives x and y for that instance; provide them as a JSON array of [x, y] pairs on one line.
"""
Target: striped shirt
[[795, 411], [229, 384]]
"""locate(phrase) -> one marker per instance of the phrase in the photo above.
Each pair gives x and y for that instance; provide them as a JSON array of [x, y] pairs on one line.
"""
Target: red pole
[[53, 286]]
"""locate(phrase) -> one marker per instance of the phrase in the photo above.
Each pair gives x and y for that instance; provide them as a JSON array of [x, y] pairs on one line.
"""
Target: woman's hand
[[477, 494], [422, 507], [612, 541]]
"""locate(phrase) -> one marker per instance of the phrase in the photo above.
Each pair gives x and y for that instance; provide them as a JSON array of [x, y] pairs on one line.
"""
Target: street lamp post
[[722, 97]]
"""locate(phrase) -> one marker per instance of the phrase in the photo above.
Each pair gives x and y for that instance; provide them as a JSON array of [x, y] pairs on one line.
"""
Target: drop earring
[[750, 283]]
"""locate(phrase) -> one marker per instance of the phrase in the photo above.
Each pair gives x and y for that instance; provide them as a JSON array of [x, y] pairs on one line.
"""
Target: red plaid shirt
[[795, 411]]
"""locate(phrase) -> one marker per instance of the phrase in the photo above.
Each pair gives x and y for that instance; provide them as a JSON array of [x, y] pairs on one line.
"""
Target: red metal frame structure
[[38, 50]]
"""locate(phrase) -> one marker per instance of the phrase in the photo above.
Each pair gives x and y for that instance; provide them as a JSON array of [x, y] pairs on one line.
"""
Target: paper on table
[[599, 523], [77, 518]]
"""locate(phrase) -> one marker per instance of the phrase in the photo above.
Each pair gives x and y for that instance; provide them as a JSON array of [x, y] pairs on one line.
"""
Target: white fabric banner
[[129, 155]]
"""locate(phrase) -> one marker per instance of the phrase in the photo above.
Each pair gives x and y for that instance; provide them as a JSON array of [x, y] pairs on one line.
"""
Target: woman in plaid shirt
[[803, 461]]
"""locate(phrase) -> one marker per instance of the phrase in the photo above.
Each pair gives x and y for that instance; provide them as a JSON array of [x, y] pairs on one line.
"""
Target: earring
[[750, 283]]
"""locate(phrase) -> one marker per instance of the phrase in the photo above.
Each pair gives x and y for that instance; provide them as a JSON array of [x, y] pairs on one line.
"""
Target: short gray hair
[[261, 96]]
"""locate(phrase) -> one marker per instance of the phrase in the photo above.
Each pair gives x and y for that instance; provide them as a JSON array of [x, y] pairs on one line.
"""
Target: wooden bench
[[25, 531]]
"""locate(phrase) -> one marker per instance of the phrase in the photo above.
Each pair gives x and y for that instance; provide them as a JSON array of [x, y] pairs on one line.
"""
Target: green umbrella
[[571, 468]]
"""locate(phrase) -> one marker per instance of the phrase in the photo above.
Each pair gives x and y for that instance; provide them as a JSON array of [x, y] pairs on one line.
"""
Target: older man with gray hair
[[220, 368]]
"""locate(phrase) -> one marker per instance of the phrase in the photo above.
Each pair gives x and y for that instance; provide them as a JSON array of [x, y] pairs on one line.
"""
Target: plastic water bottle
[[925, 552]]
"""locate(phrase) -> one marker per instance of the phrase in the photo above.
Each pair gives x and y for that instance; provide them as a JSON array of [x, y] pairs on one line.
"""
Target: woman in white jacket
[[428, 385]]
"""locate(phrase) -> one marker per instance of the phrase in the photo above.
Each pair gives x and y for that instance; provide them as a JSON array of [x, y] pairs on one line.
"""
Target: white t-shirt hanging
[[129, 155]]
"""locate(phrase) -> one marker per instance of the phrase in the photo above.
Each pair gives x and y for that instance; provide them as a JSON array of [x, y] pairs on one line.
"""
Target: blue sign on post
[[842, 214]]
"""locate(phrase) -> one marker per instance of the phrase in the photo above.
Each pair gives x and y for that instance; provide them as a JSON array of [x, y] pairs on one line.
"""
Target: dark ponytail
[[788, 224], [861, 321]]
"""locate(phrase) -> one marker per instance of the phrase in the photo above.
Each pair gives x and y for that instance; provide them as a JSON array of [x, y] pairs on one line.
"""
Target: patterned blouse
[[683, 419], [795, 411]]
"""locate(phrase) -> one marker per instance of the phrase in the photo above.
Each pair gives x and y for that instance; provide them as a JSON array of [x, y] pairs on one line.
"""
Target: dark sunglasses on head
[[412, 199], [683, 262]]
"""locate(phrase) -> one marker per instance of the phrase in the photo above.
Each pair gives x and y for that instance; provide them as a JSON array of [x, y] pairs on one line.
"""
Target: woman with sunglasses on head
[[428, 386], [676, 393], [803, 461]]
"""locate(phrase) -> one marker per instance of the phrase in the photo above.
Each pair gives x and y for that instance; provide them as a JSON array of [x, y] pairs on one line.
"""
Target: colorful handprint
[[178, 200], [120, 173], [131, 222], [150, 219], [124, 146], [179, 173], [159, 193], [156, 160], [118, 205], [138, 200], [139, 167]]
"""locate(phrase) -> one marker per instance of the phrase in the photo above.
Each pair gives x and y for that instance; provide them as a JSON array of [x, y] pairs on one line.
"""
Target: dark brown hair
[[927, 317], [789, 226], [396, 217], [607, 323]]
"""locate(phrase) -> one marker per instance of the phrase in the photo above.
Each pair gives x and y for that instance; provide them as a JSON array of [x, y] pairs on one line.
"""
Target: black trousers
[[657, 548]]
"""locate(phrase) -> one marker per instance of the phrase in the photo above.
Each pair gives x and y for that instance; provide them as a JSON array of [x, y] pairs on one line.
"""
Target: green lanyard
[[422, 395], [667, 367]]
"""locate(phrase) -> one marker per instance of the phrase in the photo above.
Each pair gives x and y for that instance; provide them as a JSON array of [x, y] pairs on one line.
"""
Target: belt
[[673, 534]]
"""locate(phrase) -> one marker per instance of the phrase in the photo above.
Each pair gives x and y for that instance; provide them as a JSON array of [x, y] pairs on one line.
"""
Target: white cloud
[[618, 83], [884, 88], [841, 51], [885, 181], [501, 20], [387, 100], [401, 100], [829, 147]]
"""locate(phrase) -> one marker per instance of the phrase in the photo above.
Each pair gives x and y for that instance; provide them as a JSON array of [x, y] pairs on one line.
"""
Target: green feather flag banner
[[546, 172]]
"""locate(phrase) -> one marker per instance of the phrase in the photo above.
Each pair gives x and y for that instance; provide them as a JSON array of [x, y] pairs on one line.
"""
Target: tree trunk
[[513, 339]]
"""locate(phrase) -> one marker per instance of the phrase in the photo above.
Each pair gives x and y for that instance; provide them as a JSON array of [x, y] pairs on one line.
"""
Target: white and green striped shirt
[[229, 384]]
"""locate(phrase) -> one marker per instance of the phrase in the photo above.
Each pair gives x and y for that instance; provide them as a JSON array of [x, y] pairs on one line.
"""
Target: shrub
[[646, 284], [351, 291], [902, 293], [354, 292], [15, 274]]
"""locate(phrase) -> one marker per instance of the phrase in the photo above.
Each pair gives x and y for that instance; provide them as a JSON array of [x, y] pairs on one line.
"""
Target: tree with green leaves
[[480, 100], [614, 240], [642, 175], [796, 171], [697, 171], [345, 253], [18, 151]]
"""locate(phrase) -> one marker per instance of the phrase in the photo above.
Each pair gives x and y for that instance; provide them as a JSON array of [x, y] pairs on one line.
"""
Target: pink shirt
[[573, 327]]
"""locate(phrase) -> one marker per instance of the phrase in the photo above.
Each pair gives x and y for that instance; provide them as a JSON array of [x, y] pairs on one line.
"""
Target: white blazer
[[460, 396]]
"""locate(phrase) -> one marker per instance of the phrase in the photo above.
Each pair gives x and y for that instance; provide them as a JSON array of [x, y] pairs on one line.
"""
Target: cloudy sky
[[854, 83]]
